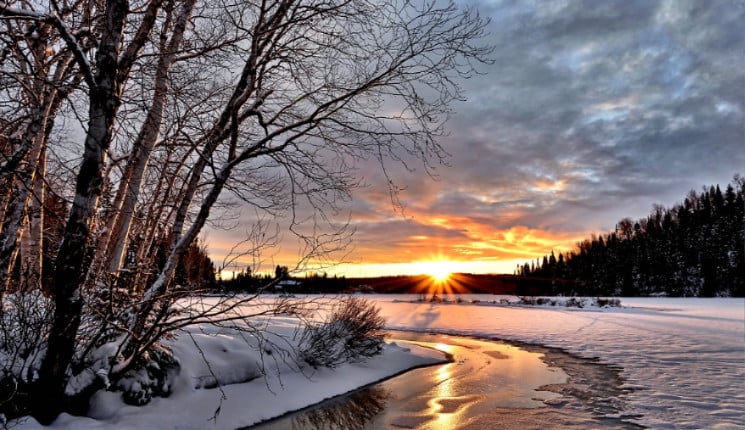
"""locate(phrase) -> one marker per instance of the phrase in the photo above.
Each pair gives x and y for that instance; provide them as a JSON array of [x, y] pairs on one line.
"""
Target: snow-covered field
[[684, 360]]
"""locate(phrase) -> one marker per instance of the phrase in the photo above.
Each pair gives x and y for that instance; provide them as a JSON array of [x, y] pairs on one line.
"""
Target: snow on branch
[[11, 12]]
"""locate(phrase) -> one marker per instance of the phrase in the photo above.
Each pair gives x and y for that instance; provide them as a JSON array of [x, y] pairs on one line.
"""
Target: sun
[[440, 273], [438, 277]]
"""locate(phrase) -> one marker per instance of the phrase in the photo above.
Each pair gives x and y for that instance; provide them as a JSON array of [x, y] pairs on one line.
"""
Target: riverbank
[[229, 379], [678, 361], [680, 358], [490, 384]]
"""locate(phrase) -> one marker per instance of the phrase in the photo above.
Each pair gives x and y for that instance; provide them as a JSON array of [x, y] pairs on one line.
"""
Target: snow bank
[[258, 380]]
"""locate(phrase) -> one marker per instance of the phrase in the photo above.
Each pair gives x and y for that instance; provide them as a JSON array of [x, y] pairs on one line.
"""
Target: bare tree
[[36, 80], [273, 101]]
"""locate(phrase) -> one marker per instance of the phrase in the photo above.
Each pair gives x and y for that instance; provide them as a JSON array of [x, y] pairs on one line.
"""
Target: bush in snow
[[13, 400], [351, 332], [571, 302], [151, 377], [535, 301], [24, 320], [609, 303]]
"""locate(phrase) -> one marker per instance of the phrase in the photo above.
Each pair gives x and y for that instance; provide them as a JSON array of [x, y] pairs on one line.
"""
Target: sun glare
[[438, 278], [440, 274], [439, 271]]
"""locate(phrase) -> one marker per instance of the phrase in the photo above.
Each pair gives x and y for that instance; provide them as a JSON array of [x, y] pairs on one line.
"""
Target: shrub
[[150, 378], [25, 317], [607, 302], [352, 332]]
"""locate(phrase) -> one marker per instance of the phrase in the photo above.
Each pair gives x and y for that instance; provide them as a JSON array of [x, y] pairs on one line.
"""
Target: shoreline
[[591, 395]]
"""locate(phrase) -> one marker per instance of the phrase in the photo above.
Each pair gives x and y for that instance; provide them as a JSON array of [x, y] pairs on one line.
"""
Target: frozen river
[[488, 384]]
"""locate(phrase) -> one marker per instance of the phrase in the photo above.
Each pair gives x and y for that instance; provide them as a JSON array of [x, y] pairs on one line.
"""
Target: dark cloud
[[621, 104]]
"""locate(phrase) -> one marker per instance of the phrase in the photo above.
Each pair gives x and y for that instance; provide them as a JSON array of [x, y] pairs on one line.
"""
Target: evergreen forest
[[695, 248]]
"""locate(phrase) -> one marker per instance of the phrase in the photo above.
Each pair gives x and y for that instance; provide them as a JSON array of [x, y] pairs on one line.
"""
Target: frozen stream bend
[[489, 384]]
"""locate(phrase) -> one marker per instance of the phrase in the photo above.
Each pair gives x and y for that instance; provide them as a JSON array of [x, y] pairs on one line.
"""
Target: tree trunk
[[146, 141], [177, 251], [49, 92], [16, 217], [32, 243], [69, 272]]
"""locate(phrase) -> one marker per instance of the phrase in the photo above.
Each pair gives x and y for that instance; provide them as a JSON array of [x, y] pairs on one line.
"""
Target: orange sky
[[414, 243], [423, 255]]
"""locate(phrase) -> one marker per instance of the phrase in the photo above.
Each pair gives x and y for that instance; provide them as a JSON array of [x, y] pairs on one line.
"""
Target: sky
[[592, 111]]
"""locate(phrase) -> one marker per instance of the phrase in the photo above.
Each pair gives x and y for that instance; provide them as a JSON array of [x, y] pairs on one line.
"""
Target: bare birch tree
[[272, 101], [36, 80]]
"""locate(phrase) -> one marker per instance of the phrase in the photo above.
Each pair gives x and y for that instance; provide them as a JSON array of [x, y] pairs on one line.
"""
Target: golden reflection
[[444, 406], [443, 375]]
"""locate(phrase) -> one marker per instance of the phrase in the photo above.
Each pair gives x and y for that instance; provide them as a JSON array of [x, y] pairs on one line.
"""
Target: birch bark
[[69, 274]]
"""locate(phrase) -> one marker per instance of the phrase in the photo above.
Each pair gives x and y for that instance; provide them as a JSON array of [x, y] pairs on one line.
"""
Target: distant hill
[[462, 283]]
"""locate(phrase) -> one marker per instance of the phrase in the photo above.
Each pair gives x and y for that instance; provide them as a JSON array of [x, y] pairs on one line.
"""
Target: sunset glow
[[538, 163], [440, 275], [483, 250], [439, 271]]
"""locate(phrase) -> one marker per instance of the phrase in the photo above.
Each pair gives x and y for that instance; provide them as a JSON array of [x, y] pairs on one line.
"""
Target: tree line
[[247, 281], [696, 248]]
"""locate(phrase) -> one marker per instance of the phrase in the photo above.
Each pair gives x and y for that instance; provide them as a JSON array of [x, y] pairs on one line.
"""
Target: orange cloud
[[392, 245]]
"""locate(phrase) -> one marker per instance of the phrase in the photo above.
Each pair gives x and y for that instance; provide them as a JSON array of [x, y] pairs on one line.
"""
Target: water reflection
[[444, 417], [349, 412], [488, 382]]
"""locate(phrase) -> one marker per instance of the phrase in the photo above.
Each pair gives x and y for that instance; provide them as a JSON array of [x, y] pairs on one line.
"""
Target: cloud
[[592, 111], [620, 102]]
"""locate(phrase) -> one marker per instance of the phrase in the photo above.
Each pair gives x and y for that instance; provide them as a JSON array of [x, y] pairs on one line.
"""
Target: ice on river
[[683, 358]]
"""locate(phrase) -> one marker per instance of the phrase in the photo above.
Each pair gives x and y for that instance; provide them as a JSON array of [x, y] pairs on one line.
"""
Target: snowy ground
[[684, 359]]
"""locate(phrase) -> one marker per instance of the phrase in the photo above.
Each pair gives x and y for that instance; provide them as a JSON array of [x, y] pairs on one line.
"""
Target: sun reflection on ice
[[483, 376], [445, 407]]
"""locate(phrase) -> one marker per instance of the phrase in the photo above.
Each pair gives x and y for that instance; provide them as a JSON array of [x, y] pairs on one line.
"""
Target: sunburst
[[440, 273]]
